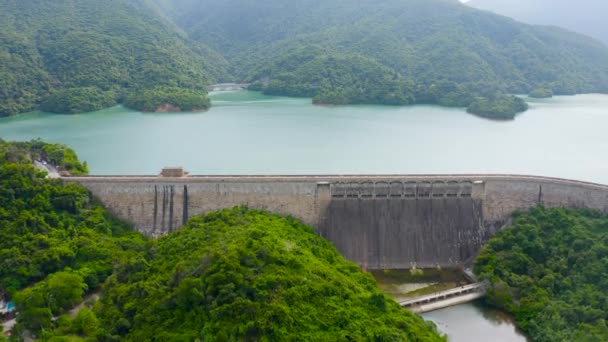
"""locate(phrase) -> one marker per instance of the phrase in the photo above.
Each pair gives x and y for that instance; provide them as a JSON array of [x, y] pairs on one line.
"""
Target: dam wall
[[379, 222]]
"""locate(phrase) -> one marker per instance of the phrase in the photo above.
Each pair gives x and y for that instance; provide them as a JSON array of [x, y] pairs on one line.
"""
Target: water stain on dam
[[410, 225]]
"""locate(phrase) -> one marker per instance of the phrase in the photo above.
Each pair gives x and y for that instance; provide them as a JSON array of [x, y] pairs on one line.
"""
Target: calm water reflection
[[474, 322]]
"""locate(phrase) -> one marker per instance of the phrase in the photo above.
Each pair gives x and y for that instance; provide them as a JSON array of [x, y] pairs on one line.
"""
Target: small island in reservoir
[[541, 93], [168, 99], [502, 107]]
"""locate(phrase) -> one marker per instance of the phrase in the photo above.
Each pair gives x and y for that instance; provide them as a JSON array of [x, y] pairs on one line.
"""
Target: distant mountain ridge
[[450, 52], [583, 16], [83, 55]]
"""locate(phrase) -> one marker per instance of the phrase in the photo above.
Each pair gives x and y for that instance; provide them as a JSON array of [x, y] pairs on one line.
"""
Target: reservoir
[[249, 133]]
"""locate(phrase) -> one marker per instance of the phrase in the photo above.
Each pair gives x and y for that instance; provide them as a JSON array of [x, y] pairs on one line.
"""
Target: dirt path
[[8, 325], [92, 298]]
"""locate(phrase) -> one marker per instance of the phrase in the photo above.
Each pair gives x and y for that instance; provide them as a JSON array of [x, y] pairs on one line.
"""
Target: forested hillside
[[72, 56], [87, 55], [584, 16], [449, 52], [251, 276], [549, 270], [56, 243], [233, 275]]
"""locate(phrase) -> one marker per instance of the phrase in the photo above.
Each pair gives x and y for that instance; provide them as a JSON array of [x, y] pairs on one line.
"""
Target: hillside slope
[[109, 48], [458, 49], [584, 16], [251, 276]]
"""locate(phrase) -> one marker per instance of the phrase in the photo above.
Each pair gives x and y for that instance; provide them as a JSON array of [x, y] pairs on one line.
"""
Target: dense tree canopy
[[85, 54], [333, 79], [498, 107], [541, 93], [243, 274], [237, 274], [56, 243], [150, 100], [549, 270], [412, 51], [58, 155], [78, 100], [449, 52]]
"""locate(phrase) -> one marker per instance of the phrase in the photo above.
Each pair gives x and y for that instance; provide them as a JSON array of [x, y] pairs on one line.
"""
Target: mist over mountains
[[388, 52], [583, 16]]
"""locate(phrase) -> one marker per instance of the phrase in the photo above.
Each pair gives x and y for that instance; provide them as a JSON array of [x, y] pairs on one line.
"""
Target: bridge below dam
[[377, 221], [444, 299]]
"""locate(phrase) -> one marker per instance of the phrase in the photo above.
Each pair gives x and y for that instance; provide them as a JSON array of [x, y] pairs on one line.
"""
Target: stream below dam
[[248, 133], [475, 322]]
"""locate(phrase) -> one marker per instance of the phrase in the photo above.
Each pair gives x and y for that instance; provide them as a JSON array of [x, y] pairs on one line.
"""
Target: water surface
[[248, 133], [473, 322]]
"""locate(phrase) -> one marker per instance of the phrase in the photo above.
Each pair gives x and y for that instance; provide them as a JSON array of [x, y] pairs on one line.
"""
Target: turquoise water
[[10, 306], [248, 133]]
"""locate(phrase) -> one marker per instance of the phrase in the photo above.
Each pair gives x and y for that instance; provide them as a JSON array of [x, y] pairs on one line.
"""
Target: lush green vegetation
[[250, 275], [179, 99], [87, 54], [58, 155], [333, 79], [78, 100], [549, 270], [56, 243], [498, 107], [247, 275], [541, 93], [427, 51]]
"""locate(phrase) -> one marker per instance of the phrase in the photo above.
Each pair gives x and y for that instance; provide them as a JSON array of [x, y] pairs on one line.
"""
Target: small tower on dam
[[173, 171]]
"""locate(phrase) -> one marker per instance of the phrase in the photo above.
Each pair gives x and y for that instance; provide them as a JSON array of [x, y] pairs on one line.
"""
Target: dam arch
[[377, 221]]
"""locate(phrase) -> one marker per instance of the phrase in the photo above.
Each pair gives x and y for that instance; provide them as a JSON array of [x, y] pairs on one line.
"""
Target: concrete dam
[[379, 222]]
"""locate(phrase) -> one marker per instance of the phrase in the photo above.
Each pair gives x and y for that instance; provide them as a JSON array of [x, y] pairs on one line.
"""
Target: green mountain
[[73, 56], [584, 16], [548, 270], [251, 276], [445, 49], [90, 54], [247, 275]]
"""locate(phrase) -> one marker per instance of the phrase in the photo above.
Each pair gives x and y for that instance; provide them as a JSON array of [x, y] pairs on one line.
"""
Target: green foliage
[[333, 79], [59, 155], [59, 291], [78, 100], [427, 44], [549, 271], [180, 99], [243, 274], [56, 243], [87, 53], [498, 107], [246, 275], [541, 93]]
